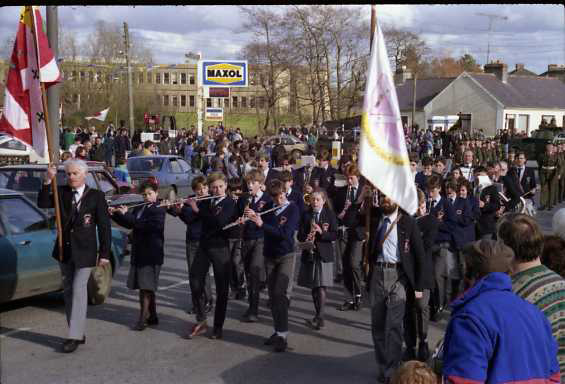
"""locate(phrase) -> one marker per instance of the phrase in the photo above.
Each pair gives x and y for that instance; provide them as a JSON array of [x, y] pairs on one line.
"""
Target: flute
[[246, 218], [203, 198]]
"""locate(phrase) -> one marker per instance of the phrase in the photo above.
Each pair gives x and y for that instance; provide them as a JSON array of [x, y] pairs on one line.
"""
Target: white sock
[[282, 334]]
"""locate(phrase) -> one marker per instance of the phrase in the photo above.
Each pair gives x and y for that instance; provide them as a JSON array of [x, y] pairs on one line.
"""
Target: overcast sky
[[531, 34]]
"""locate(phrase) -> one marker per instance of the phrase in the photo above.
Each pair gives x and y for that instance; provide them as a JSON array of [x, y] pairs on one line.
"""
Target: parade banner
[[100, 115], [383, 157], [31, 64]]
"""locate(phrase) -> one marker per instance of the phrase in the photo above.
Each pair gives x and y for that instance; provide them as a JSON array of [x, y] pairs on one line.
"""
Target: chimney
[[500, 70], [519, 66], [401, 75]]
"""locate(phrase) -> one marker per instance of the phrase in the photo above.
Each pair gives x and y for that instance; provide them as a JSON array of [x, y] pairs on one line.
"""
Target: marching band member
[[279, 227], [323, 176], [253, 241], [319, 227], [215, 214], [237, 277], [147, 254]]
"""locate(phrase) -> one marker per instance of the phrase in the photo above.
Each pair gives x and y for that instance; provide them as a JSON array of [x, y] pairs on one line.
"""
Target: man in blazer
[[397, 255], [84, 214], [324, 175], [523, 176]]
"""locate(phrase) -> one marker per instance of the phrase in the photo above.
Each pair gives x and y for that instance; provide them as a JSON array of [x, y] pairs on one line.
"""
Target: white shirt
[[218, 201], [258, 196], [78, 196], [266, 172], [390, 245], [281, 209]]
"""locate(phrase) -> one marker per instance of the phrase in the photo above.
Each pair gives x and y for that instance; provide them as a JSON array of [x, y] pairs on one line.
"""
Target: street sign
[[214, 114], [216, 92], [226, 73]]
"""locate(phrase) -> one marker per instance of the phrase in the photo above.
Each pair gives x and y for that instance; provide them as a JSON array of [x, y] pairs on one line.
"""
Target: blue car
[[172, 174], [27, 237]]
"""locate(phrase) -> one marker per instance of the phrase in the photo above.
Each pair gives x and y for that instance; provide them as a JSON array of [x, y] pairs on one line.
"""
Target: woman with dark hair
[[318, 229], [147, 254]]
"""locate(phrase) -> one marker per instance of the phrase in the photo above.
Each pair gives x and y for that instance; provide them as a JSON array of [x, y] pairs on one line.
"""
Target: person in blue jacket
[[279, 227], [494, 336]]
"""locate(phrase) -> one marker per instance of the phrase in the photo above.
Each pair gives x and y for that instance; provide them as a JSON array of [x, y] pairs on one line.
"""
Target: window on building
[[262, 102], [183, 100], [191, 79], [191, 101], [91, 76], [226, 103], [175, 101], [251, 102], [165, 99], [243, 102], [82, 75], [524, 123], [167, 78], [547, 118], [174, 78], [141, 76], [158, 78], [183, 78], [209, 102], [74, 75], [234, 101], [149, 77]]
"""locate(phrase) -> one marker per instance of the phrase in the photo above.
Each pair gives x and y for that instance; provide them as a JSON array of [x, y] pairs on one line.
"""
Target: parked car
[[172, 174], [27, 237], [27, 178], [291, 144], [15, 151]]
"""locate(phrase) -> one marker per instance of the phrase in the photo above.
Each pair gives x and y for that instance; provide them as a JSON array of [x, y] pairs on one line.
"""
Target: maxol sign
[[229, 73]]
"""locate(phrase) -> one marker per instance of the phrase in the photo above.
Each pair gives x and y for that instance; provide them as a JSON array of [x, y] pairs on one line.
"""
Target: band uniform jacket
[[323, 242], [214, 218], [486, 223], [250, 230], [279, 228], [80, 228], [325, 177], [353, 219], [528, 181], [447, 224], [428, 225], [410, 248], [148, 233], [271, 175]]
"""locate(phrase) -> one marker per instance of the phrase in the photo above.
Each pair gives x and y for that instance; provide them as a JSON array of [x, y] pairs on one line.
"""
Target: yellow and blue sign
[[230, 73]]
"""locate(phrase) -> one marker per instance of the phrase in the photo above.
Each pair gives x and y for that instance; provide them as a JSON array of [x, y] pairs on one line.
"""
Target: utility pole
[[491, 18], [130, 91], [199, 91], [54, 92], [414, 101]]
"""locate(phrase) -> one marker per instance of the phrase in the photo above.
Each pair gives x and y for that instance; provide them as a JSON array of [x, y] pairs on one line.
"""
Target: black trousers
[[254, 262], [237, 280], [352, 271], [221, 263], [279, 273], [416, 318], [191, 251]]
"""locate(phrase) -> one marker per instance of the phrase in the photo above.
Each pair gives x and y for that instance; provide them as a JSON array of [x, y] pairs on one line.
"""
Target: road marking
[[13, 331], [174, 285]]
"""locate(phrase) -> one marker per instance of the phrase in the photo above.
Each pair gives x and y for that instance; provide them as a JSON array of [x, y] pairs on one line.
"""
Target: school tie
[[381, 233], [352, 194]]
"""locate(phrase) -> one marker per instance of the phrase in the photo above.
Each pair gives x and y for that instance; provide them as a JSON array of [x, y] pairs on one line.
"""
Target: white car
[[12, 147]]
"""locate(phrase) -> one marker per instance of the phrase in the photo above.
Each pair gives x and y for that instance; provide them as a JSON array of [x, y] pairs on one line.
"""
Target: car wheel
[[99, 284], [172, 195]]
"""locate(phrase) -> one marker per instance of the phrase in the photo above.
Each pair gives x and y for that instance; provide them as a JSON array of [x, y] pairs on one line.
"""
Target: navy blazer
[[486, 224], [250, 230], [279, 231], [528, 181], [192, 220], [214, 218], [148, 235], [447, 223], [464, 232], [421, 181], [428, 226], [323, 242], [297, 198], [353, 219], [325, 177]]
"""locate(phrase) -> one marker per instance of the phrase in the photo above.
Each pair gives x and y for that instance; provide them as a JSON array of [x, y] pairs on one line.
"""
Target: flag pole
[[50, 148], [369, 199]]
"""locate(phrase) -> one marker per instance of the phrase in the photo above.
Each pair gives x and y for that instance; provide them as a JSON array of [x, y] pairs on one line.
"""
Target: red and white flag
[[383, 157], [100, 115], [32, 62]]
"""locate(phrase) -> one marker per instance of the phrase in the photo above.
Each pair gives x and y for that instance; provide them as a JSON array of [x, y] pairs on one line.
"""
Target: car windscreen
[[24, 180], [145, 164]]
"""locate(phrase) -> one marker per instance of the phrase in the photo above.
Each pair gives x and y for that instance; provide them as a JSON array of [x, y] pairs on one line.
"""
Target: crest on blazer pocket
[[217, 210], [261, 205], [282, 220], [459, 212], [325, 227], [406, 246], [87, 220]]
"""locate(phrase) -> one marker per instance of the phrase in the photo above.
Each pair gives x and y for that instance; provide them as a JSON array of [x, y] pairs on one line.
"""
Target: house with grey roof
[[494, 100], [520, 70]]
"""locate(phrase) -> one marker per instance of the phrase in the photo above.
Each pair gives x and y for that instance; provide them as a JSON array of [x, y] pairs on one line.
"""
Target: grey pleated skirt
[[316, 274], [144, 277]]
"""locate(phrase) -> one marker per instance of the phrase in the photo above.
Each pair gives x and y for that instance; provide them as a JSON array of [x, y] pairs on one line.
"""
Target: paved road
[[33, 330]]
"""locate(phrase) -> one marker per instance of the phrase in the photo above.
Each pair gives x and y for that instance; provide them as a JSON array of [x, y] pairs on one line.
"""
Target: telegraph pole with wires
[[491, 18], [130, 90]]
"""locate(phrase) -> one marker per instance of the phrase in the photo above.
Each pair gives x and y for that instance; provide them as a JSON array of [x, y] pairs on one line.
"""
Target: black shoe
[[240, 295], [313, 323], [249, 318], [140, 326], [339, 278], [270, 340], [70, 345], [347, 306], [153, 320], [409, 354], [423, 351], [269, 303], [209, 306], [217, 334], [280, 344]]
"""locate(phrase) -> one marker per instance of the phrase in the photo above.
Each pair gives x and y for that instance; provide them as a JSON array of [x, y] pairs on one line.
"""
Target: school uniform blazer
[[325, 176], [447, 223], [271, 175], [428, 226], [214, 218], [486, 224], [297, 197], [250, 229], [421, 181], [410, 248], [528, 181], [80, 231], [352, 219], [148, 234], [279, 231], [299, 178], [464, 232], [323, 241]]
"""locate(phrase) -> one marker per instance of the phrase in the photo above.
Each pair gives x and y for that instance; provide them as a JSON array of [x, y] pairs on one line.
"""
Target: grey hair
[[76, 163]]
